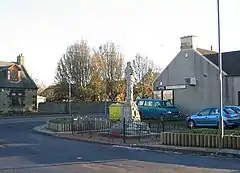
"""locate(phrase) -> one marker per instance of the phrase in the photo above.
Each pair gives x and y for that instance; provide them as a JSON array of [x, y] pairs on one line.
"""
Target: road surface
[[22, 150]]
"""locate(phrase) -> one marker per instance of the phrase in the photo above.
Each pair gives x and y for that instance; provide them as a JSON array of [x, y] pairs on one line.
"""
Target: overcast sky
[[42, 29]]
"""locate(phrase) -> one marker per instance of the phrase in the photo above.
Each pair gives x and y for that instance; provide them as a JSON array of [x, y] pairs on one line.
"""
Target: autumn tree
[[96, 84], [112, 68]]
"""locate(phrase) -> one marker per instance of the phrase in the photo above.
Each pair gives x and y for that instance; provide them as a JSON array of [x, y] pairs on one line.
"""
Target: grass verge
[[234, 132]]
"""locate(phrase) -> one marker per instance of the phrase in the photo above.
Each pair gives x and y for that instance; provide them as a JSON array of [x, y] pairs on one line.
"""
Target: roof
[[230, 61], [205, 51], [26, 81]]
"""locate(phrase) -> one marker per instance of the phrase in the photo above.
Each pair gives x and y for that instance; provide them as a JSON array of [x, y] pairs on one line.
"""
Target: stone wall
[[4, 101], [81, 108], [29, 102]]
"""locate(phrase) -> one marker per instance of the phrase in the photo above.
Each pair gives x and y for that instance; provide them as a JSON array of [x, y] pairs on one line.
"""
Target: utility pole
[[69, 99], [105, 75], [221, 124]]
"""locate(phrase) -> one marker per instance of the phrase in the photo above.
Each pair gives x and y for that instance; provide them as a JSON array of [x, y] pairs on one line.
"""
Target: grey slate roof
[[230, 61], [25, 83]]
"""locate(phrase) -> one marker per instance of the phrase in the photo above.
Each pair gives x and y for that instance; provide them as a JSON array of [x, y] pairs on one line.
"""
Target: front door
[[202, 117], [213, 117]]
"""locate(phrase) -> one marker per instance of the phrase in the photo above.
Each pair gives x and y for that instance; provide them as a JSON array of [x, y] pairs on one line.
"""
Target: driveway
[[22, 150]]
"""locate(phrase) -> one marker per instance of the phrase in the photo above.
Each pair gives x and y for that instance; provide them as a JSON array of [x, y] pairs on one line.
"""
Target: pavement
[[24, 150]]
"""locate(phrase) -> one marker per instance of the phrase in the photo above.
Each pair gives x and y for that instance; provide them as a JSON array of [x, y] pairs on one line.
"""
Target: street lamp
[[221, 124], [69, 98], [105, 72]]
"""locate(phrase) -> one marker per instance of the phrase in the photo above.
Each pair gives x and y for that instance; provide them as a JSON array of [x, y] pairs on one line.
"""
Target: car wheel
[[191, 124]]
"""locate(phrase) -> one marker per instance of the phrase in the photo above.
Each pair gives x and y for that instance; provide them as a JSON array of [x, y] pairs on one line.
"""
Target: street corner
[[42, 129]]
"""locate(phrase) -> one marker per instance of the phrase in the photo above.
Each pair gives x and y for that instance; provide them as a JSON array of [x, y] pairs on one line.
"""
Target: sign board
[[171, 87], [160, 88]]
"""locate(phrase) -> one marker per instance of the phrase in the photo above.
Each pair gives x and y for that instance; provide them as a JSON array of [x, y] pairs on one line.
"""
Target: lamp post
[[69, 98], [105, 71], [221, 124]]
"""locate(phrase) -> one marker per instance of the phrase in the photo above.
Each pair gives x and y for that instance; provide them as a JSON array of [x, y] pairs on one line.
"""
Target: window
[[205, 112], [229, 111], [148, 103], [13, 74], [158, 104], [140, 103], [237, 110], [17, 99], [9, 75], [215, 111], [168, 104]]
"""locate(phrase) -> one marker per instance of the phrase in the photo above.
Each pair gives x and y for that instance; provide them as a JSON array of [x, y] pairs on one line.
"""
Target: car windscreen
[[229, 111]]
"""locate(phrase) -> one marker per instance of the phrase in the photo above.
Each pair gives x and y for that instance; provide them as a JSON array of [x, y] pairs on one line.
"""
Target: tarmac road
[[22, 150]]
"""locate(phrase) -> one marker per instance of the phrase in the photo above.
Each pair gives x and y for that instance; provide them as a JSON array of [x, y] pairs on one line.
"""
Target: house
[[193, 77], [40, 99], [18, 91]]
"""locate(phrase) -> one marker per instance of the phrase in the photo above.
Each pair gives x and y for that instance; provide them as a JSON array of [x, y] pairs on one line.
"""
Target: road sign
[[160, 88], [173, 87]]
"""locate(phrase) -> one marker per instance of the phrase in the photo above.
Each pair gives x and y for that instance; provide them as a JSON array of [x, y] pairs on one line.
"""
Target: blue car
[[210, 117], [235, 108], [155, 108]]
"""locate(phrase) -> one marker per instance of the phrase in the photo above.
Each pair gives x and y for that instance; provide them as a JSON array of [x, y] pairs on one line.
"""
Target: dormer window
[[14, 74]]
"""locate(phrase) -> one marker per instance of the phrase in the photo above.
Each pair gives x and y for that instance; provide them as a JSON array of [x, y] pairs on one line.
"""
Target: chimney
[[20, 59], [188, 42]]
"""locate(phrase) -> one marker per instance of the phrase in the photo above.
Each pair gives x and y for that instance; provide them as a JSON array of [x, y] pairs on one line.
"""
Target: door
[[159, 109], [148, 109], [213, 117], [202, 117]]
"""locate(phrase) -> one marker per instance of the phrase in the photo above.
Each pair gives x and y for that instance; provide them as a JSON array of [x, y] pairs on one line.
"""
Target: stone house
[[18, 91], [193, 77]]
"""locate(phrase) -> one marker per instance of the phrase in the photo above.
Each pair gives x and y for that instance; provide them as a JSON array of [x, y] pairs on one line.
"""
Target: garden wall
[[81, 107]]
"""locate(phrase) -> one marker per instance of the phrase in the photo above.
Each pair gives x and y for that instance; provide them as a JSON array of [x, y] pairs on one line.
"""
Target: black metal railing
[[127, 131]]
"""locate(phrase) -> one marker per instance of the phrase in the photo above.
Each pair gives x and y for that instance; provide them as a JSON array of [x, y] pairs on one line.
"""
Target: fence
[[126, 131]]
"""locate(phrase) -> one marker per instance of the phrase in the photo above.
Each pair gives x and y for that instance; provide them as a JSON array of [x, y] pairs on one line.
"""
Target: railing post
[[124, 130], [163, 128]]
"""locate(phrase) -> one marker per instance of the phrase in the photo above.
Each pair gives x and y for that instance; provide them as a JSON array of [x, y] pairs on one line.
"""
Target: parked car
[[235, 108], [210, 117], [155, 108]]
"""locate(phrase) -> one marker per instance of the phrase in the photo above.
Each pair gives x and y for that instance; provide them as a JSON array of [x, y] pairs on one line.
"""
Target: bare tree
[[41, 86], [140, 64], [145, 73]]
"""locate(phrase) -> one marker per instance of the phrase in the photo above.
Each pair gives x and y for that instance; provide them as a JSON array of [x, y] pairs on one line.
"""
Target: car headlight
[[169, 112]]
